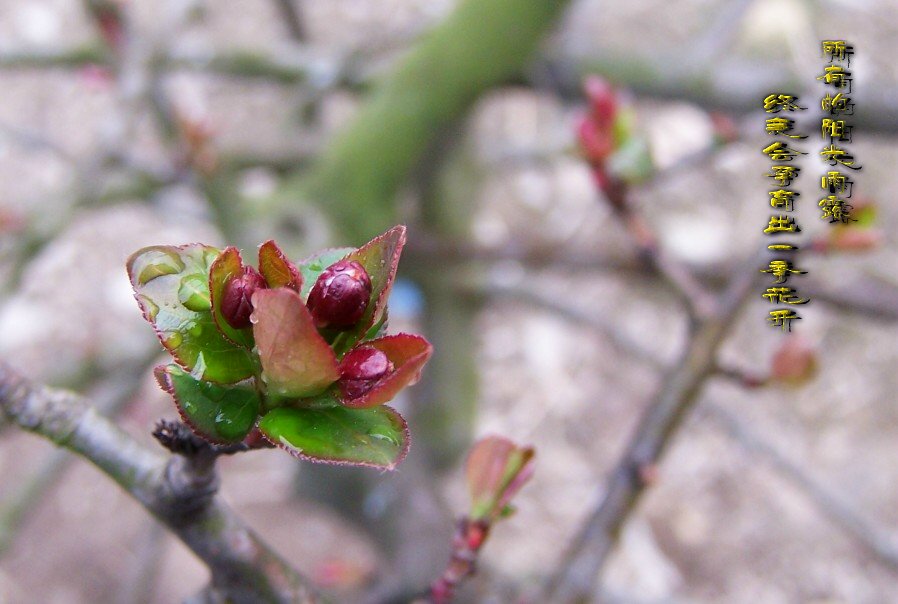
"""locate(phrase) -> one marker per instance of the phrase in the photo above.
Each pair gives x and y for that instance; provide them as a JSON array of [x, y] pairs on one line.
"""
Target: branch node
[[178, 438]]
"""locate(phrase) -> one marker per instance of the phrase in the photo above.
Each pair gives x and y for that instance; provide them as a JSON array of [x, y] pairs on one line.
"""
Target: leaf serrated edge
[[143, 310], [403, 452], [163, 378], [380, 303]]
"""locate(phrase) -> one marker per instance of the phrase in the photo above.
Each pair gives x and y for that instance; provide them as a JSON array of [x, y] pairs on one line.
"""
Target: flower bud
[[602, 99], [361, 368], [794, 363], [596, 142], [340, 295], [236, 301]]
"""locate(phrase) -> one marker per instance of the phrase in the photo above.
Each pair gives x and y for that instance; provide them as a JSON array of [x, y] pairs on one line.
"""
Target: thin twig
[[882, 546], [469, 537], [576, 575], [292, 18], [179, 491], [140, 586], [695, 296], [865, 532]]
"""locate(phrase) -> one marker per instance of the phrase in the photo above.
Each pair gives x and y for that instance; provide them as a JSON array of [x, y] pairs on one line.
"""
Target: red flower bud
[[602, 99], [340, 295], [361, 368], [596, 141], [236, 302]]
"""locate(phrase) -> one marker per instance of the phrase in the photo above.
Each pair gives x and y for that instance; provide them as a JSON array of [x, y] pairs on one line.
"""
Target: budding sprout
[[340, 295], [361, 368], [236, 301]]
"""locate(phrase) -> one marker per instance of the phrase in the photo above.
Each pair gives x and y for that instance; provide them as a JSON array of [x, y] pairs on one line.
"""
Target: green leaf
[[361, 437], [277, 269], [171, 287], [864, 214], [227, 266], [219, 414], [632, 161], [315, 264], [296, 361]]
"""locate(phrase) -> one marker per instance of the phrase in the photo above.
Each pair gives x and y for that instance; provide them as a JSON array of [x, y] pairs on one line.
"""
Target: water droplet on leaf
[[194, 293], [157, 263], [173, 341], [382, 433], [151, 308]]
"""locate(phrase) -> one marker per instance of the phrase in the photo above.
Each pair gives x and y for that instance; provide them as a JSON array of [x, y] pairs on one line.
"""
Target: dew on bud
[[340, 295], [361, 368], [236, 301]]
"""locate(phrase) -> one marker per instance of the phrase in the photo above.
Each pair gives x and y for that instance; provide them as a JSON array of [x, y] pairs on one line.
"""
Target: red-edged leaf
[[380, 257], [296, 361], [171, 284], [217, 413], [496, 470], [227, 266], [277, 269], [408, 353], [357, 437]]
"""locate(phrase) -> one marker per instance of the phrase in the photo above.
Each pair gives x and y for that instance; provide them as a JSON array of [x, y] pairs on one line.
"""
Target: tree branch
[[882, 546], [576, 575], [178, 491], [292, 18], [668, 79]]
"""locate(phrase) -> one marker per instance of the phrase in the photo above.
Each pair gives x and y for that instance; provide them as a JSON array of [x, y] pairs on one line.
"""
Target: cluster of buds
[[294, 353], [337, 301]]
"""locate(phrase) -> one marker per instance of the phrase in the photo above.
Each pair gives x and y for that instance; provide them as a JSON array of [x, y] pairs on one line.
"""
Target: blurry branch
[[430, 249], [719, 34], [81, 56], [140, 585], [483, 43], [739, 376], [286, 68], [33, 140], [113, 394], [576, 575], [558, 306], [23, 502], [882, 546], [866, 296], [678, 276], [865, 532], [179, 490], [292, 18], [732, 85]]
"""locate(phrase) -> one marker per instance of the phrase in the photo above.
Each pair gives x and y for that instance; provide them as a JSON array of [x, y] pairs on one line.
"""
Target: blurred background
[[136, 122]]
